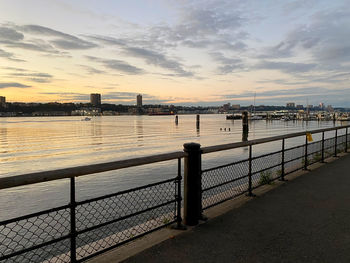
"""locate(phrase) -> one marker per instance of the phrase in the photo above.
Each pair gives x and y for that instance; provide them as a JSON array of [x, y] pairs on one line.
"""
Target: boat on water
[[255, 117], [86, 119], [344, 117], [160, 113], [234, 117], [285, 118]]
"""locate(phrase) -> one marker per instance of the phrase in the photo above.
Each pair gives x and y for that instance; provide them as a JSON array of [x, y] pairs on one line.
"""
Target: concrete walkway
[[304, 220]]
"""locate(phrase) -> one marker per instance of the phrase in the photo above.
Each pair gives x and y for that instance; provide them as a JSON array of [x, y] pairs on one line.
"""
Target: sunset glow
[[175, 52]]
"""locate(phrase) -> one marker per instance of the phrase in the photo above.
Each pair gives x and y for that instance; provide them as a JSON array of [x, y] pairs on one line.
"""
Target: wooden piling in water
[[197, 121], [245, 121], [245, 127]]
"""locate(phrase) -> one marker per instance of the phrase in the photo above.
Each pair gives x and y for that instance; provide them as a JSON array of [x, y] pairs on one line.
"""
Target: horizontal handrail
[[229, 146], [45, 176]]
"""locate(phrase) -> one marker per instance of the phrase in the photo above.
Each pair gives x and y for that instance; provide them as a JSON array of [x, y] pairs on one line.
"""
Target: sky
[[182, 52]]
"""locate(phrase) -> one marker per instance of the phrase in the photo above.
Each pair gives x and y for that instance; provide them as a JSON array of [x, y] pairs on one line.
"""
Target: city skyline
[[176, 52], [96, 100]]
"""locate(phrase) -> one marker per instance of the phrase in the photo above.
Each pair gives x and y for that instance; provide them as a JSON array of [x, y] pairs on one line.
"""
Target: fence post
[[335, 142], [305, 157], [72, 222], [192, 184], [250, 191], [282, 164], [322, 153], [346, 139], [178, 198]]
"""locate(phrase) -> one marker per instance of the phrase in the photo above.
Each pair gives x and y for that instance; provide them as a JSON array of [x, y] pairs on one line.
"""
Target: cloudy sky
[[187, 52]]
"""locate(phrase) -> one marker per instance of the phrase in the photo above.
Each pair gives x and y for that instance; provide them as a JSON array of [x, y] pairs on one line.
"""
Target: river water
[[44, 143]]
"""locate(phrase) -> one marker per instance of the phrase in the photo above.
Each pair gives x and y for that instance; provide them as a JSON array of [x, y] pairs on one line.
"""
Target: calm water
[[39, 144]]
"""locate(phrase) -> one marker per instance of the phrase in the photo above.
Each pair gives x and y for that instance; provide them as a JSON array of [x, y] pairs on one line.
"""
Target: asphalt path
[[304, 220]]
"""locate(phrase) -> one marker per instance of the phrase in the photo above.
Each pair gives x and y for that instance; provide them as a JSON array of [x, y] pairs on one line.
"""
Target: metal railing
[[227, 181], [80, 230]]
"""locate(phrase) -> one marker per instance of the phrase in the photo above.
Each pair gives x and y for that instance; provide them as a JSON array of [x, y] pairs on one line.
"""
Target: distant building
[[330, 108], [290, 105], [321, 105], [2, 101], [95, 99], [139, 101], [236, 106], [86, 112], [310, 106], [299, 106], [226, 106]]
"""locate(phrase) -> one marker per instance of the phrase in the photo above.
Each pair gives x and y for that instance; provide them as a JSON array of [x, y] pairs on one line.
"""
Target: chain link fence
[[36, 237], [83, 229], [100, 224], [226, 182]]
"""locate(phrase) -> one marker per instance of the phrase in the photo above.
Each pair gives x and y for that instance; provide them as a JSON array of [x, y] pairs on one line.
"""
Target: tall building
[[139, 101], [290, 105], [330, 108], [95, 99], [2, 101]]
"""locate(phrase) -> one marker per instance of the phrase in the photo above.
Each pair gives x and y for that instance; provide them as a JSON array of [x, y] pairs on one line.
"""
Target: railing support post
[[282, 163], [250, 183], [335, 142], [72, 222], [178, 198], [346, 140], [322, 153], [305, 157], [192, 184]]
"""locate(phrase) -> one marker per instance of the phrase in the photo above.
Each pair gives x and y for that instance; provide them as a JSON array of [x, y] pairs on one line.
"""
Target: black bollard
[[192, 184]]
